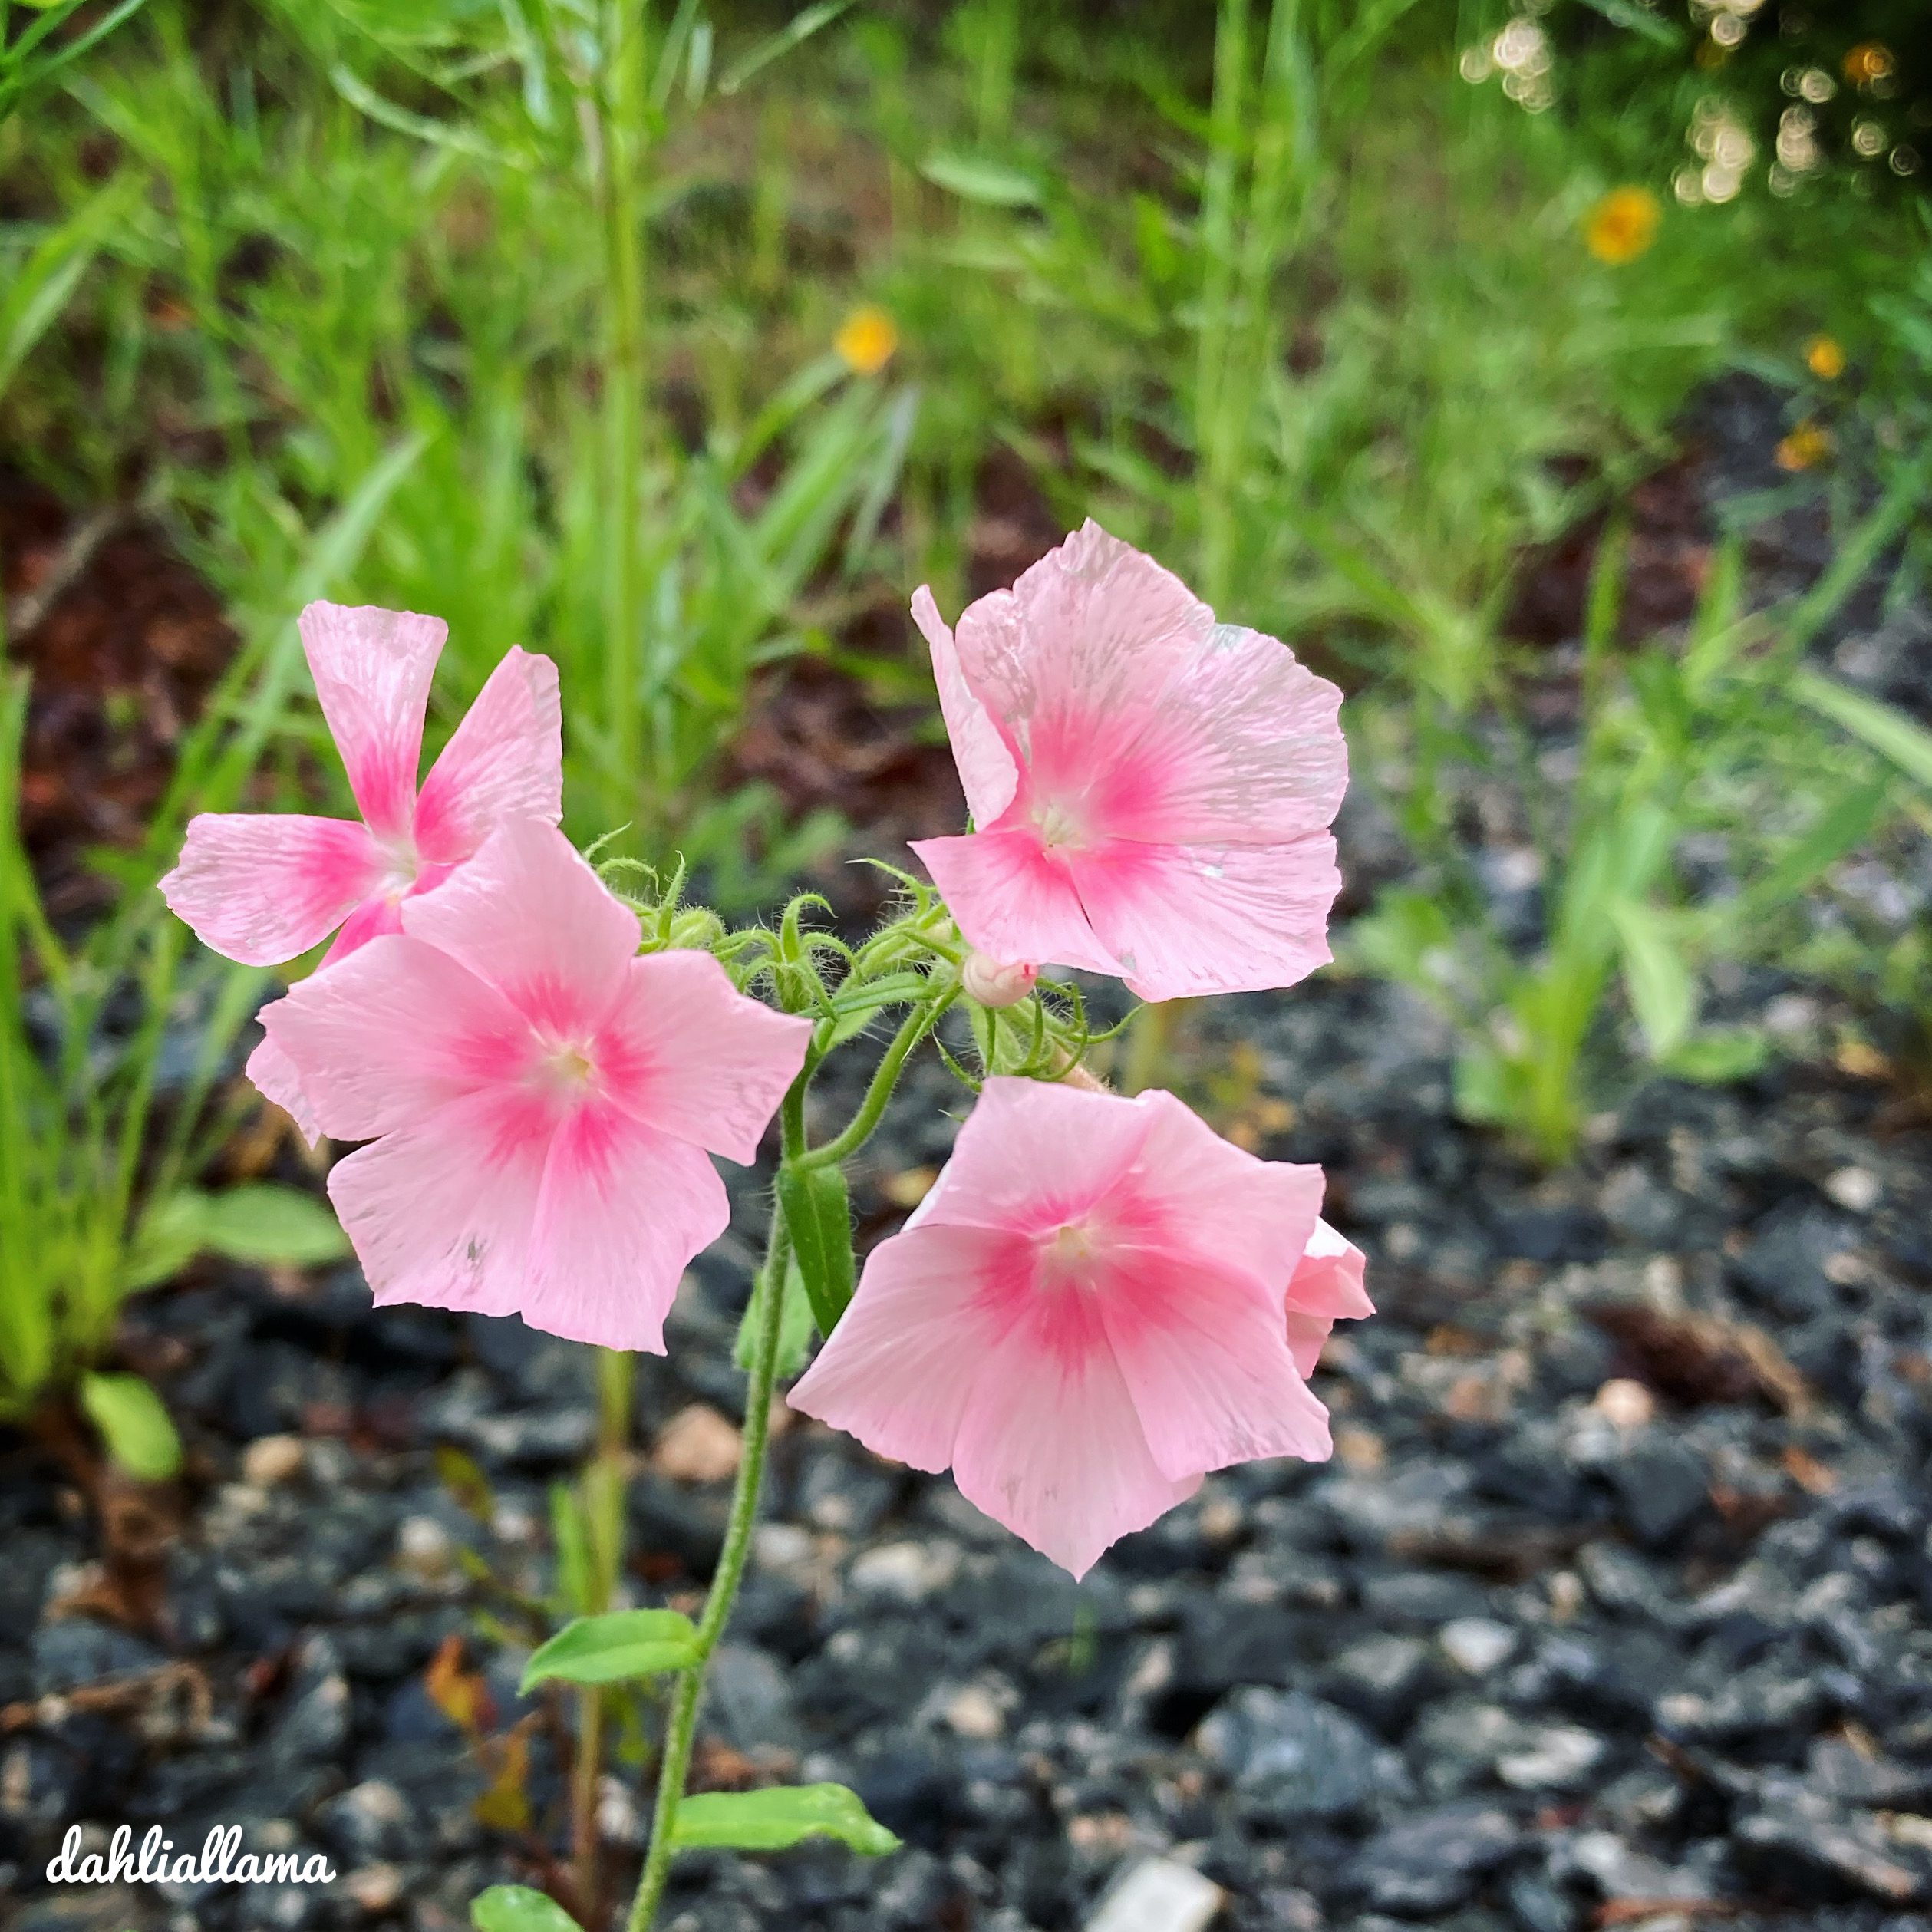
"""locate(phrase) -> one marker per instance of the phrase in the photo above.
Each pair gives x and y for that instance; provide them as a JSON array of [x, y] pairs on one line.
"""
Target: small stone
[[1477, 1644], [1431, 1863], [906, 1573], [1561, 1759], [425, 1548], [1159, 1895], [1856, 1189], [698, 1445], [974, 1712], [1359, 1449], [1625, 1404], [1293, 1757], [1380, 1678], [375, 1889], [1566, 1596], [270, 1461]]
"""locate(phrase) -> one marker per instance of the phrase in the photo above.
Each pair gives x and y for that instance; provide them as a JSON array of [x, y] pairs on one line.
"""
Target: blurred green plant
[[34, 49]]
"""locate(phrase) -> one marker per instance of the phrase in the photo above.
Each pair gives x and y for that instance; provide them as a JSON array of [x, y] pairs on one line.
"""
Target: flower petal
[[1053, 1448], [442, 1211], [372, 669], [277, 1081], [263, 887], [685, 1052], [897, 1371], [987, 773], [529, 917], [1033, 1154], [1327, 1286], [379, 914], [622, 1211], [505, 760], [1012, 902], [1202, 1351], [1185, 920], [392, 1033], [1071, 661], [1244, 748]]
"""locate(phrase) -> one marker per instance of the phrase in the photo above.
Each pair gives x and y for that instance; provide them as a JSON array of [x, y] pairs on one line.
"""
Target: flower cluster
[[1100, 1300]]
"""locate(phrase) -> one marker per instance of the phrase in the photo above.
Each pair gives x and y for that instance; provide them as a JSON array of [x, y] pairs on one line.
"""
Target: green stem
[[681, 1731], [917, 1025]]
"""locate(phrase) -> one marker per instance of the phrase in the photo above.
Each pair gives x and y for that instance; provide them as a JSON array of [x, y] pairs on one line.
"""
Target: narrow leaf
[[818, 1210], [974, 178], [1889, 732], [776, 1819], [267, 1224], [516, 1908], [1662, 989], [621, 1644], [136, 1428]]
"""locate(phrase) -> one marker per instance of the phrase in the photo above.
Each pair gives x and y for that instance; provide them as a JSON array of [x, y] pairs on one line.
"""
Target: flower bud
[[698, 928], [992, 984]]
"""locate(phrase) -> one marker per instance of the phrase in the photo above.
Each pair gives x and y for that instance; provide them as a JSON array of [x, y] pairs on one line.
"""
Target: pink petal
[[504, 761], [372, 669], [1327, 1286], [529, 917], [987, 771], [1033, 1154], [622, 1211], [276, 1080], [1072, 661], [1244, 748], [1253, 1216], [685, 1052], [897, 1370], [442, 1211], [380, 914], [1054, 1449], [1012, 902], [1186, 920], [1202, 1351], [261, 889], [392, 1033]]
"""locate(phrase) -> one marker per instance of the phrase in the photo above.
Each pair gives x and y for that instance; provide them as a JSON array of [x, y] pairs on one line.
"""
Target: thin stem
[[681, 1730], [917, 1025]]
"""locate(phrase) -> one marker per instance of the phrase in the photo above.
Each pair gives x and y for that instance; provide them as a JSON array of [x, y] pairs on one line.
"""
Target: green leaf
[[169, 1235], [267, 1224], [1723, 1054], [1638, 19], [516, 1908], [974, 178], [800, 27], [1890, 733], [818, 1210], [1663, 988], [132, 1423], [773, 1820], [619, 1644]]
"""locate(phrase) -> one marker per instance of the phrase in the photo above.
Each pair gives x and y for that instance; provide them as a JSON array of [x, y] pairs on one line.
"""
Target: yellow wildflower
[[1824, 358], [867, 340], [1622, 225], [1809, 444]]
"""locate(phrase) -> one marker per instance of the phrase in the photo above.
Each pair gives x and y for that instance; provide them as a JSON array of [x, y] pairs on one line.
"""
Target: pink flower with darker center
[[1082, 1318], [538, 1100], [1150, 789], [264, 887]]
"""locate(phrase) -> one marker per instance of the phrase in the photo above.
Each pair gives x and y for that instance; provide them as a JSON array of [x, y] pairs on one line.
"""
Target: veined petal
[[529, 917], [987, 773], [685, 1052], [897, 1371], [442, 1211], [1053, 1448], [1185, 920], [393, 1033], [504, 761], [1012, 902], [372, 669], [263, 887], [276, 1080], [622, 1211]]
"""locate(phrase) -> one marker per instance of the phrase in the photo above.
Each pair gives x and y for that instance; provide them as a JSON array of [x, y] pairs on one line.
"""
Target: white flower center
[[1059, 826]]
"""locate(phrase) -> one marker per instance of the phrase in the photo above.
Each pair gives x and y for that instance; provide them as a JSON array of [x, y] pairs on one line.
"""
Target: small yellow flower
[[1869, 61], [867, 340], [1809, 444], [1824, 358], [1622, 225]]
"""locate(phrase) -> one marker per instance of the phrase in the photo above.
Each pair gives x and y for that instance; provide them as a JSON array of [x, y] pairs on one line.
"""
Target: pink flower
[[263, 887], [538, 1098], [1150, 790], [1326, 1287], [1083, 1317]]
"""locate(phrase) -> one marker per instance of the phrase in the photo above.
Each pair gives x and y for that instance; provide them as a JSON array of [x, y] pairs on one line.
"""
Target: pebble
[[1625, 1404], [906, 1573], [1159, 1895], [698, 1445], [424, 1548], [271, 1460], [1477, 1644], [1856, 1189]]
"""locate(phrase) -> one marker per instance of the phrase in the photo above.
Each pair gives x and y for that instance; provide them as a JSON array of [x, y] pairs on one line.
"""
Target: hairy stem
[[915, 1027], [681, 1732]]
